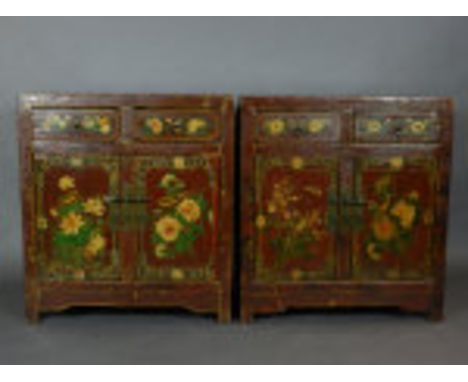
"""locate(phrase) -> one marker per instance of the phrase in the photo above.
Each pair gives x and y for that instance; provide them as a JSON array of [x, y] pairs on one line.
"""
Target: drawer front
[[76, 124], [176, 125], [397, 128], [313, 126]]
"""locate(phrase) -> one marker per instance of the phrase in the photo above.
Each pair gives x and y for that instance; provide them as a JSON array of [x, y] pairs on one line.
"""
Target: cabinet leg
[[224, 315], [246, 315], [436, 314], [32, 314]]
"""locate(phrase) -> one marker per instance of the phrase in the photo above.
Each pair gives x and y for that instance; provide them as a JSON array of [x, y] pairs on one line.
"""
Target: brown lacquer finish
[[344, 203], [127, 201]]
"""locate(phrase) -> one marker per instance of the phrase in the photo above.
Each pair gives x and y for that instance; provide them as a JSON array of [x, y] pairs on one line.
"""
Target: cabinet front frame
[[424, 295], [200, 296]]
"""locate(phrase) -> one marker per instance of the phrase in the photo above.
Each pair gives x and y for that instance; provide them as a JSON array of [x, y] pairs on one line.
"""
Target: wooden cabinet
[[344, 203], [127, 201]]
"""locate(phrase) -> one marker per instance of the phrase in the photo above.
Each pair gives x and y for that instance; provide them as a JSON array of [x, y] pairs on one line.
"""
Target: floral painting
[[77, 227], [161, 126], [100, 124], [178, 218]]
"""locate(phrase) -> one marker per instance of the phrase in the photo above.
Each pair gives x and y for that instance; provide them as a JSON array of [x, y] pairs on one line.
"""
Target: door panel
[[396, 199], [76, 239], [180, 200], [295, 219]]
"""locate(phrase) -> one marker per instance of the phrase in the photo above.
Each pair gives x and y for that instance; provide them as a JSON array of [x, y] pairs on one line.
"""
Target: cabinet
[[127, 201], [344, 203]]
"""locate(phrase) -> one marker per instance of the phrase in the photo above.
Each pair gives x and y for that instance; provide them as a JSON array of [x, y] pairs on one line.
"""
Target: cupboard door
[[75, 234], [177, 198], [296, 213], [396, 196]]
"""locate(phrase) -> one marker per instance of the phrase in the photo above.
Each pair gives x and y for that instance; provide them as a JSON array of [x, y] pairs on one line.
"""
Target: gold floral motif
[[405, 212], [396, 163], [66, 183], [71, 223], [160, 250], [373, 126], [155, 125], [194, 125], [168, 228], [177, 274], [316, 125], [94, 206], [179, 163], [189, 209], [275, 126], [418, 127], [297, 163], [260, 222], [383, 228], [95, 245]]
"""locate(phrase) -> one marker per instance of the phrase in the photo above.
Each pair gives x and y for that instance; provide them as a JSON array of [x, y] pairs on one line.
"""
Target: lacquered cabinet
[[344, 203], [127, 201]]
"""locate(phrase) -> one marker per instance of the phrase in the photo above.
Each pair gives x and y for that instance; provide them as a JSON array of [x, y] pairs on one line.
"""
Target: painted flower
[[297, 163], [260, 221], [189, 209], [53, 212], [418, 127], [170, 181], [42, 223], [95, 245], [76, 162], [297, 274], [66, 183], [316, 125], [372, 252], [167, 201], [405, 212], [275, 126], [271, 208], [155, 125], [177, 274], [104, 125], [179, 163], [94, 206], [195, 124], [71, 223], [383, 228], [168, 228], [160, 250], [373, 126], [396, 163], [88, 122]]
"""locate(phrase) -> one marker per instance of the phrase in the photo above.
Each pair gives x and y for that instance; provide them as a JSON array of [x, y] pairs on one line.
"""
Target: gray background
[[329, 56]]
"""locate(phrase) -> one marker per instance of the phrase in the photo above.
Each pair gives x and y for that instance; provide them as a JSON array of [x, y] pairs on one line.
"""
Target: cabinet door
[[395, 198], [295, 218], [75, 235], [177, 199]]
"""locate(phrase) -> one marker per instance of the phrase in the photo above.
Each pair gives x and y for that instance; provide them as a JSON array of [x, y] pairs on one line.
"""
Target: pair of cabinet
[[129, 201]]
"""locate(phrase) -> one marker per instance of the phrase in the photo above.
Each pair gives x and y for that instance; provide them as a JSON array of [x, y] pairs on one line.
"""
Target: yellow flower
[[160, 250], [418, 127], [179, 163], [88, 122], [168, 180], [396, 163], [372, 252], [189, 209], [105, 129], [95, 245], [53, 212], [76, 161], [195, 124], [66, 182], [275, 126], [71, 223], [168, 228], [271, 208], [155, 124], [297, 163], [177, 274], [373, 126], [405, 212], [316, 125], [42, 223], [94, 206], [296, 274], [383, 228], [260, 222]]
